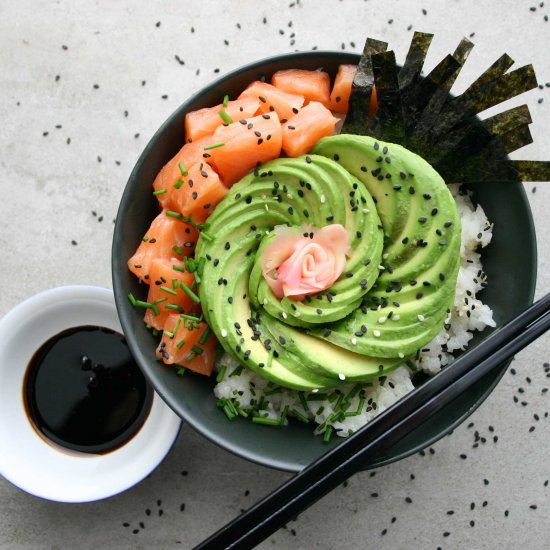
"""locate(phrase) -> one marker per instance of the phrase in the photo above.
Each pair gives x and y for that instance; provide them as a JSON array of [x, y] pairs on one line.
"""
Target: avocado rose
[[333, 266]]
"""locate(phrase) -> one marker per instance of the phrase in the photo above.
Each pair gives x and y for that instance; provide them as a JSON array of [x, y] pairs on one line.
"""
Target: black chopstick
[[351, 455]]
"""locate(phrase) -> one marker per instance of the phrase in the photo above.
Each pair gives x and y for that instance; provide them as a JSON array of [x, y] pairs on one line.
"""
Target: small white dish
[[26, 459]]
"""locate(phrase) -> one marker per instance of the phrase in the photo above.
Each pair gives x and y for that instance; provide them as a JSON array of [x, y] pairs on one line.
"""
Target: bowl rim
[[120, 300]]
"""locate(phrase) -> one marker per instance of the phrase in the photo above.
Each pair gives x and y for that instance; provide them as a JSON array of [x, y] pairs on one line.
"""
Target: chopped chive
[[354, 391], [191, 318], [169, 290], [197, 350], [411, 364], [190, 357], [160, 192], [180, 344], [178, 323], [299, 416], [146, 305], [160, 300], [266, 421], [225, 117], [221, 374], [190, 264], [205, 335], [178, 268], [197, 278], [224, 404], [317, 397], [178, 184], [180, 371], [214, 146], [145, 239], [175, 283], [332, 397], [132, 299], [283, 415], [172, 214], [328, 434], [174, 307], [189, 292], [183, 169], [206, 235], [274, 391], [225, 100], [168, 333], [303, 401], [237, 371], [178, 250]]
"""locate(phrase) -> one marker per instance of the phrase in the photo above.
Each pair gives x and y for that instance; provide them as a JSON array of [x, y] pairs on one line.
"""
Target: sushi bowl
[[292, 447]]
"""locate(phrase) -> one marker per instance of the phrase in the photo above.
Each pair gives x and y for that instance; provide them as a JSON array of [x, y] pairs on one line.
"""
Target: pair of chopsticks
[[329, 471]]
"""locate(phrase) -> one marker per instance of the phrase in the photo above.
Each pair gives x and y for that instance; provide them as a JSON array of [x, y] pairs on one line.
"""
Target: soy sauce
[[84, 392]]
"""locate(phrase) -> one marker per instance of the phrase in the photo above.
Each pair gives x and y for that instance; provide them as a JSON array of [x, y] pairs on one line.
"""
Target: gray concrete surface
[[83, 86]]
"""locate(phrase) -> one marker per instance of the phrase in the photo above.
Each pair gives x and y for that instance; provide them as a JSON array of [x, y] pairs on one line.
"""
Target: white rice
[[246, 388]]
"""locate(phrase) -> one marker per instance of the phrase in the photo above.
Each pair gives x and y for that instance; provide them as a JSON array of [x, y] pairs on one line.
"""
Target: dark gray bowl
[[510, 263]]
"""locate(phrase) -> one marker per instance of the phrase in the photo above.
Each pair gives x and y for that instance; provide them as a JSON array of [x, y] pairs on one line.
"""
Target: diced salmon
[[246, 143], [163, 235], [273, 99], [190, 344], [173, 170], [201, 190], [304, 129], [166, 290], [339, 97], [205, 121], [313, 85]]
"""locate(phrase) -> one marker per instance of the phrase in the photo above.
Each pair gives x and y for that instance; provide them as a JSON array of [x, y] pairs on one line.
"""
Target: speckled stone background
[[83, 86]]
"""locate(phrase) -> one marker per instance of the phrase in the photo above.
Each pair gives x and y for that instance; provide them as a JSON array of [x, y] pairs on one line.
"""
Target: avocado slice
[[411, 299]]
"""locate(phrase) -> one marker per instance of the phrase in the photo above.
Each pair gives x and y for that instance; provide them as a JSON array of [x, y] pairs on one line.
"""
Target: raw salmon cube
[[304, 129], [204, 122], [313, 85], [246, 143]]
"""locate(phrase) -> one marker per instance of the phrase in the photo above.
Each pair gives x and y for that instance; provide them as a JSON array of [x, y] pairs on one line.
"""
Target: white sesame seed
[[381, 267], [421, 318], [314, 390], [266, 207], [401, 355], [376, 333], [284, 315], [289, 196], [382, 320], [385, 256], [354, 341], [265, 302], [224, 332], [297, 314], [396, 317], [322, 199], [342, 376], [366, 210]]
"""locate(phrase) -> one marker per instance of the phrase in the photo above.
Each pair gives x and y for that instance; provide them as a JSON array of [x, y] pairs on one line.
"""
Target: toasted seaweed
[[387, 123], [409, 73], [421, 113], [508, 120], [357, 118]]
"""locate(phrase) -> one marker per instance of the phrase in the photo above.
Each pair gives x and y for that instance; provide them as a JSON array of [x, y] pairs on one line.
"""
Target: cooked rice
[[246, 389]]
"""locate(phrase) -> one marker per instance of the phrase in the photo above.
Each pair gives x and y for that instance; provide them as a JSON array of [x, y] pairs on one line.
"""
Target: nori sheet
[[421, 113], [357, 120]]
